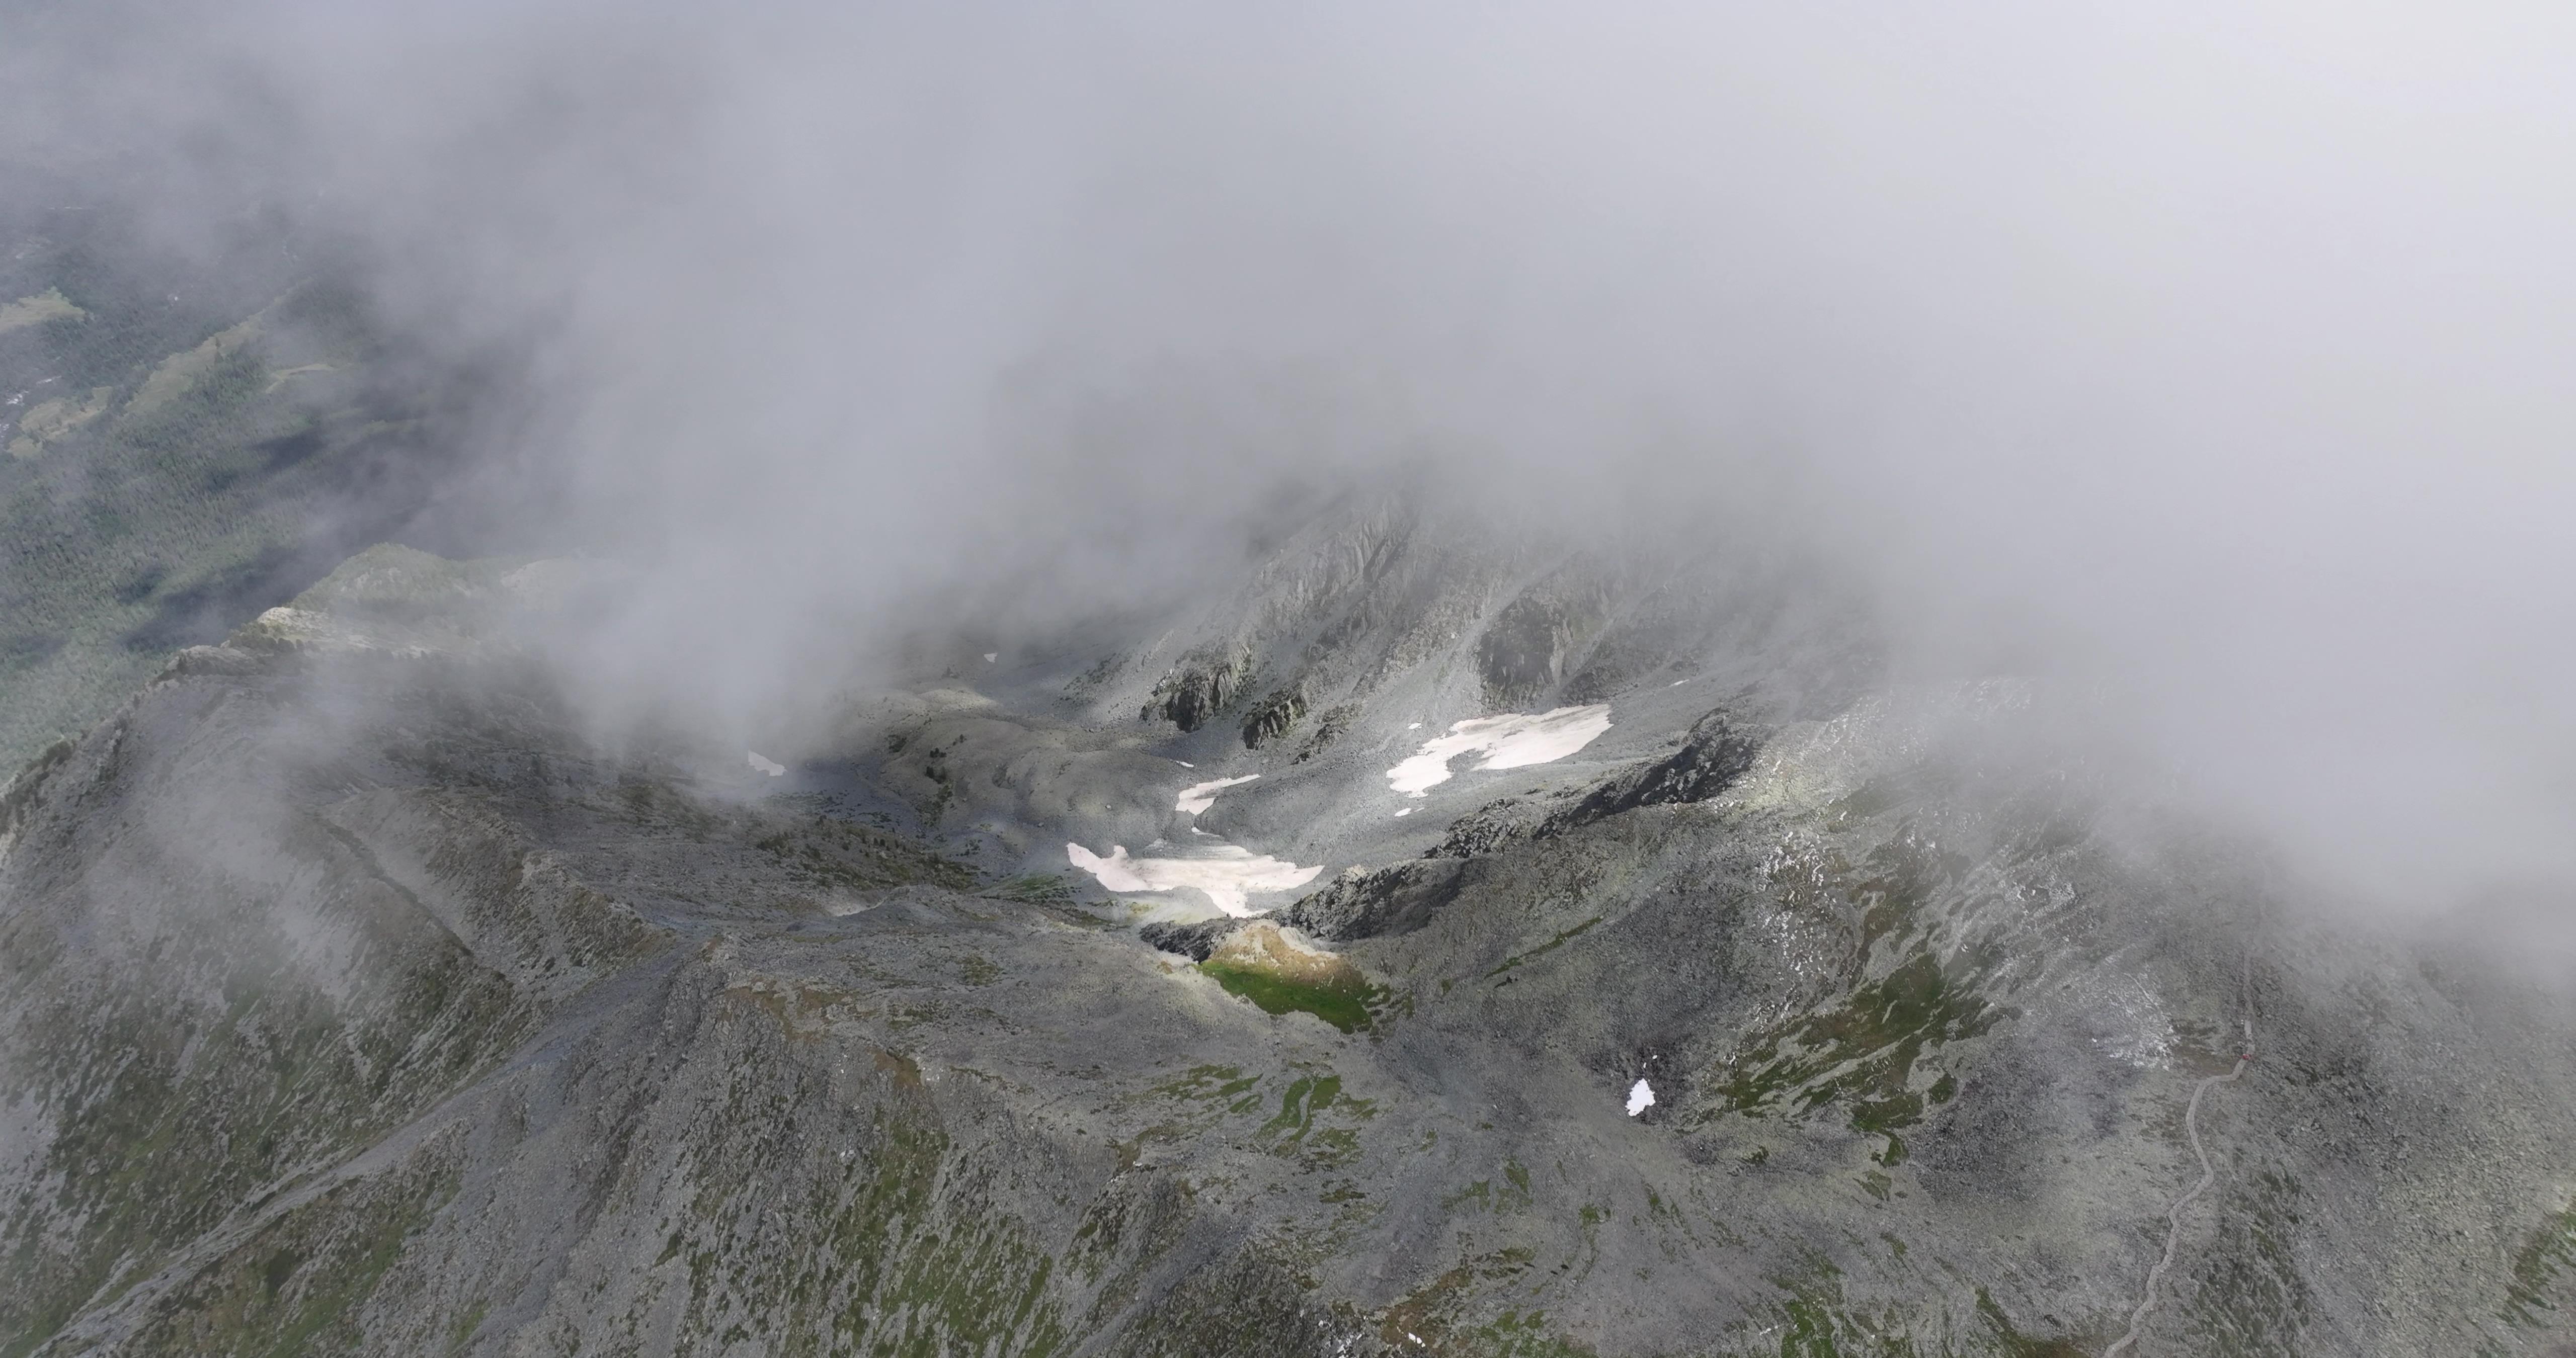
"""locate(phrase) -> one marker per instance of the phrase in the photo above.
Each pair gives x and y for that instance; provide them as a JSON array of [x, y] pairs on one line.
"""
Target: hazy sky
[[2218, 351]]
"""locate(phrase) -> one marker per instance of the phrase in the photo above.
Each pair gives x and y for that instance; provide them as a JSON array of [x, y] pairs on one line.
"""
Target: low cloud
[[2211, 357]]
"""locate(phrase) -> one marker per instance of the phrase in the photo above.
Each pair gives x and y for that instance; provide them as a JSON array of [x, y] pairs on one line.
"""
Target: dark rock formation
[[1496, 824], [1201, 687], [1711, 758], [1274, 716], [1328, 728], [1376, 902], [1527, 651], [1196, 940], [1523, 654]]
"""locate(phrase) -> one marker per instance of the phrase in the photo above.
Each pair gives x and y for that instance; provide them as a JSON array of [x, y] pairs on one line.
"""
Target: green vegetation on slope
[[1861, 1053], [1342, 1002], [2539, 1264]]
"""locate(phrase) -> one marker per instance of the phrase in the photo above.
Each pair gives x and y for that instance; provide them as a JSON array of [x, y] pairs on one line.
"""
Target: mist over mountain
[[582, 521], [2215, 353]]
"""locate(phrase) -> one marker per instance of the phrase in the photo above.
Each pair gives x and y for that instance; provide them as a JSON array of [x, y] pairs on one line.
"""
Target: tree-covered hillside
[[191, 434]]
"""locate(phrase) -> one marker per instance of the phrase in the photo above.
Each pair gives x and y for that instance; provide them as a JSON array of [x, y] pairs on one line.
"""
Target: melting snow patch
[[991, 656], [768, 766], [1641, 1096], [1506, 742], [1199, 797], [1226, 874], [1404, 811]]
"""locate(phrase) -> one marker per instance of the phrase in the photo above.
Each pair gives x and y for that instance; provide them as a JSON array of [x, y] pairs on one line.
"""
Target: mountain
[[1716, 994], [185, 439]]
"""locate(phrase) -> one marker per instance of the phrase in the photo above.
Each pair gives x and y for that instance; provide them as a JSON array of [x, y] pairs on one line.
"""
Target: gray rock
[[1713, 756], [1376, 902], [1196, 940], [1191, 696], [1274, 716]]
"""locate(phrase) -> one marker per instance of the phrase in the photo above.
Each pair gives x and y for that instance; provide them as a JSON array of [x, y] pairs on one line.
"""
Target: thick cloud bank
[[2214, 355]]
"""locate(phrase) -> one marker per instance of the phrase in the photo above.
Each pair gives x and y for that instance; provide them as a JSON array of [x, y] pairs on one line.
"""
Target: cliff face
[[352, 1001]]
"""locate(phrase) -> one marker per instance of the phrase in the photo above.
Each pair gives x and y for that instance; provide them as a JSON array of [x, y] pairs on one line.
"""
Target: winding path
[[2173, 1214]]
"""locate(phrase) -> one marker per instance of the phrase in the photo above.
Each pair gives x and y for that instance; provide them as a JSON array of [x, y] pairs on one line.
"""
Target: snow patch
[[1226, 874], [1402, 812], [991, 656], [768, 766], [1199, 797], [1507, 742], [1641, 1096]]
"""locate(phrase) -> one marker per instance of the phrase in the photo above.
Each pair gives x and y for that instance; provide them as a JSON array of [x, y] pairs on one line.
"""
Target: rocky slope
[[353, 999]]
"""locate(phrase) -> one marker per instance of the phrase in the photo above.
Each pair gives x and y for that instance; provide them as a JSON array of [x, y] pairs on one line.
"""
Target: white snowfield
[[1199, 797], [768, 766], [1226, 874], [1641, 1096], [1507, 742]]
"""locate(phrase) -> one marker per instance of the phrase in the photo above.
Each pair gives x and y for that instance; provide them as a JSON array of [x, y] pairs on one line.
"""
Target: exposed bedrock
[[1274, 716], [1526, 652], [1203, 686], [1712, 757], [1375, 902], [1196, 940]]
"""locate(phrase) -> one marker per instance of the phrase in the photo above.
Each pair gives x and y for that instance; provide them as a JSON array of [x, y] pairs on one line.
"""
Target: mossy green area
[[891, 1247], [298, 1285], [1343, 1002], [1816, 1321], [1861, 1053], [1299, 1103], [2538, 1266], [295, 1078], [1439, 1314], [913, 1275]]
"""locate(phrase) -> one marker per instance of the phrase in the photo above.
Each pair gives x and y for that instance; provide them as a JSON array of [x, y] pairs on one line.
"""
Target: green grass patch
[[1343, 1002], [1863, 1052], [2539, 1264]]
